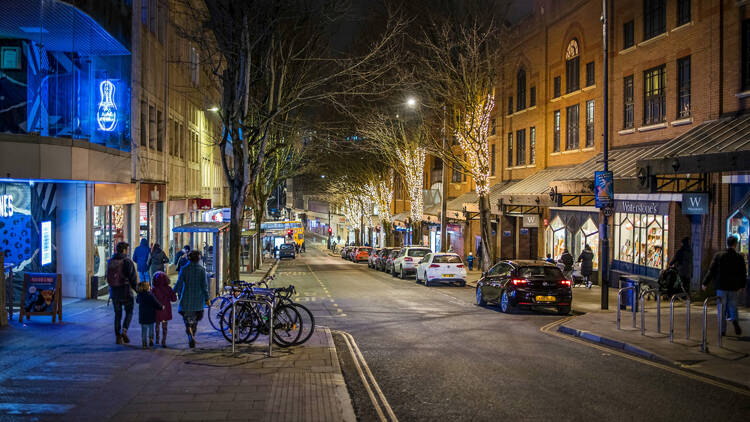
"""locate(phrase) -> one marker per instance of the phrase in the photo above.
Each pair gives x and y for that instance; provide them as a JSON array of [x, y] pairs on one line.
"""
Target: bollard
[[671, 316], [619, 299], [643, 310], [719, 316]]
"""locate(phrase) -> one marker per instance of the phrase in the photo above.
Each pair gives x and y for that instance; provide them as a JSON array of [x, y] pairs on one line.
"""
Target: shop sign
[[530, 220], [642, 207], [604, 190], [6, 205], [106, 113], [46, 242], [524, 232], [506, 233], [41, 295], [695, 203]]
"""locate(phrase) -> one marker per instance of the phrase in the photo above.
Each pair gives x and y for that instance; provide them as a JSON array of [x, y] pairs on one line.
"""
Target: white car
[[408, 258], [441, 268]]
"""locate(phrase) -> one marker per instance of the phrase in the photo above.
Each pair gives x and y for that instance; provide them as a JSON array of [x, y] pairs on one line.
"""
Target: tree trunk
[[416, 233], [356, 236], [235, 232], [387, 229], [259, 249], [485, 231]]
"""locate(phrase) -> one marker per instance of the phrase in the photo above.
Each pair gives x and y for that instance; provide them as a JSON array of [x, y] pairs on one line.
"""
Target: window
[[556, 87], [152, 127], [572, 67], [160, 131], [654, 18], [571, 134], [144, 12], [532, 145], [492, 160], [590, 76], [493, 126], [532, 96], [627, 108], [683, 12], [144, 124], [628, 35], [589, 123], [654, 100], [521, 90], [641, 239], [465, 161], [152, 16], [683, 87], [194, 66], [556, 128], [521, 147], [510, 149], [510, 105], [746, 55]]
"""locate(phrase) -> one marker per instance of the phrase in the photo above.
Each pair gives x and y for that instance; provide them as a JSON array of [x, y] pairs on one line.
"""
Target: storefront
[[151, 212], [112, 217], [572, 230], [641, 237]]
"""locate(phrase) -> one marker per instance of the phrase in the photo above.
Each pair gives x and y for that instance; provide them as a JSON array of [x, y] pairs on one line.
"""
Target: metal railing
[[619, 298], [643, 310], [719, 316], [687, 315], [256, 301]]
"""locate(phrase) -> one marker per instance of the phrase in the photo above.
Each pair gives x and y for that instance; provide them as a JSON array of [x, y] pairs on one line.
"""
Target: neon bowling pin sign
[[106, 113]]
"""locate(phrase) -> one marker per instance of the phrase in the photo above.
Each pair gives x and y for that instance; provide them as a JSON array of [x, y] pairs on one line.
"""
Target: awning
[[534, 190], [495, 191], [202, 227], [713, 146], [469, 200]]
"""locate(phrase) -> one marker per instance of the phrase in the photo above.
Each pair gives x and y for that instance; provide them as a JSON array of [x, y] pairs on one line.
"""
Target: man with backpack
[[729, 274], [122, 279]]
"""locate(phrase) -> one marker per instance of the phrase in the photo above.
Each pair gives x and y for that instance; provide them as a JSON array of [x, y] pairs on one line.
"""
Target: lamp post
[[604, 261], [443, 203]]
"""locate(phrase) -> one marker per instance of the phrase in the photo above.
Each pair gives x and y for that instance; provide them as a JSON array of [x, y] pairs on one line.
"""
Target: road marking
[[333, 301], [367, 378], [551, 329]]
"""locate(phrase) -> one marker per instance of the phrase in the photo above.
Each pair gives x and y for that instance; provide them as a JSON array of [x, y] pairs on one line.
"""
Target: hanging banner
[[604, 190]]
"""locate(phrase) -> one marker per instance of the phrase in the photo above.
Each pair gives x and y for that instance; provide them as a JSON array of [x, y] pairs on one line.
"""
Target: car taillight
[[460, 266], [517, 281], [434, 266], [565, 282], [408, 259]]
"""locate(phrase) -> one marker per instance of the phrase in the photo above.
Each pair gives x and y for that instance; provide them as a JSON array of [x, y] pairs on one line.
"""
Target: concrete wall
[[73, 213]]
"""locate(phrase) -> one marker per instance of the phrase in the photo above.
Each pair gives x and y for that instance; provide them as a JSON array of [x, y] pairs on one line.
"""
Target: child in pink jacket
[[165, 295]]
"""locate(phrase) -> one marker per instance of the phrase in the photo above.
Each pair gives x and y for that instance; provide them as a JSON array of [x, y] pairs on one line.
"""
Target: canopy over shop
[[216, 255]]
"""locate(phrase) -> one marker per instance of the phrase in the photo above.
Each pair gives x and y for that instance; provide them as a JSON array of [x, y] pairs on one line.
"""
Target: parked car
[[352, 253], [526, 283], [362, 254], [388, 264], [381, 257], [287, 250], [345, 252], [441, 268], [373, 257], [407, 260]]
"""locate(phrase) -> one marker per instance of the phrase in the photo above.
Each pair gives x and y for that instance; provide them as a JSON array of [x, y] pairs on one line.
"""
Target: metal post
[[443, 192], [687, 317], [270, 328], [643, 312], [619, 298], [234, 322], [658, 312], [719, 316], [671, 316], [604, 262]]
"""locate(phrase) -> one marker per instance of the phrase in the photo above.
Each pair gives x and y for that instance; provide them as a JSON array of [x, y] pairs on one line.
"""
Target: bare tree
[[272, 58]]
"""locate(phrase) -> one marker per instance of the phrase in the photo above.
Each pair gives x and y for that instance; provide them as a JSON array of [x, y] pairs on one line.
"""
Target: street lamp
[[214, 109], [411, 102]]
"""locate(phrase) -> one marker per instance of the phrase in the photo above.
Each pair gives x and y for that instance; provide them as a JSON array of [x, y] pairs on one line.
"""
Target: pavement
[[74, 371]]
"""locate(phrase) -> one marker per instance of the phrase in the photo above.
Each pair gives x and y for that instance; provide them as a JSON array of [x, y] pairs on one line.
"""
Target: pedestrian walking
[[586, 258], [192, 290], [470, 261], [156, 260], [147, 308], [165, 295], [180, 258], [550, 259], [729, 273], [683, 263], [303, 246], [567, 260], [140, 257], [122, 279]]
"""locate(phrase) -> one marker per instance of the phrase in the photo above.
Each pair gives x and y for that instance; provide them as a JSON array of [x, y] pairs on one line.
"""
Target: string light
[[413, 162], [473, 137]]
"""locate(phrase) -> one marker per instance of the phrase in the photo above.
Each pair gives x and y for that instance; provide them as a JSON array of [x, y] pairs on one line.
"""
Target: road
[[437, 356]]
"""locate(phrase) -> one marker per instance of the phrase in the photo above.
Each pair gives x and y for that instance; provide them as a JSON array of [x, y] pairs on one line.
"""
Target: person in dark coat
[[147, 307], [567, 260], [729, 273], [140, 257], [156, 260], [683, 263], [178, 257], [122, 279], [192, 289], [165, 295], [586, 258]]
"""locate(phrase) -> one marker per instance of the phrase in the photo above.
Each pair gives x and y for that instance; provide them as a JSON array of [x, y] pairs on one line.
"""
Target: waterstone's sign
[[695, 203], [6, 205], [642, 207]]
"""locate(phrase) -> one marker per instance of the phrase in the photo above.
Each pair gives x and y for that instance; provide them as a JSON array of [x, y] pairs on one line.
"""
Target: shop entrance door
[[528, 240], [110, 223]]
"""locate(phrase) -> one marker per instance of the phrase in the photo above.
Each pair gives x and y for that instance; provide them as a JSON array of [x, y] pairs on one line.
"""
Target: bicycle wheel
[[214, 309], [246, 325], [287, 326], [308, 323]]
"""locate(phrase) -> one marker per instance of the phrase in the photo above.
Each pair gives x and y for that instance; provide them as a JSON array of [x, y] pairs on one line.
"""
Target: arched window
[[558, 238], [588, 235], [521, 90], [572, 67]]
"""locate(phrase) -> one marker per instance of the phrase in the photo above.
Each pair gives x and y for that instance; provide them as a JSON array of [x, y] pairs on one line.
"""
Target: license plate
[[545, 298], [447, 275]]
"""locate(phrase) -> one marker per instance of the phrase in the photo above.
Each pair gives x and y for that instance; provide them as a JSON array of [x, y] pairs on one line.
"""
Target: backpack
[[115, 276]]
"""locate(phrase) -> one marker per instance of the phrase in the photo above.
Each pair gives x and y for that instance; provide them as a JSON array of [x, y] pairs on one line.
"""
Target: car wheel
[[426, 281], [462, 284], [505, 305], [402, 276], [393, 271], [480, 298], [563, 310]]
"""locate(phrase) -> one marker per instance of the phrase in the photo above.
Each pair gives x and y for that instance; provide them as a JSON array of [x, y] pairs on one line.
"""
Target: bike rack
[[267, 301], [619, 298], [719, 316], [687, 315], [643, 310]]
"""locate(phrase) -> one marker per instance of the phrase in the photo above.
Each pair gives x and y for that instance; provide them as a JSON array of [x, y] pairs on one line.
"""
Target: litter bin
[[630, 297]]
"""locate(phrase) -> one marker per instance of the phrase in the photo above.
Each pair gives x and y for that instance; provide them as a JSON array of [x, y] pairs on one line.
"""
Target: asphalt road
[[437, 356]]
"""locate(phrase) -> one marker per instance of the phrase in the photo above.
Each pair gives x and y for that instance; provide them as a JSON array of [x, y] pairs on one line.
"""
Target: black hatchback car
[[525, 283], [287, 250]]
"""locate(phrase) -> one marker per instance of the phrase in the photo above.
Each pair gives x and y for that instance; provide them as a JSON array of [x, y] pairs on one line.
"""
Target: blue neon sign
[[106, 113], [46, 242]]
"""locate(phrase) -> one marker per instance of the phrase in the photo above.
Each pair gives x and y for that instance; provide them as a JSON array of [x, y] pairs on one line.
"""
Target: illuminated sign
[[106, 113], [6, 206], [46, 242]]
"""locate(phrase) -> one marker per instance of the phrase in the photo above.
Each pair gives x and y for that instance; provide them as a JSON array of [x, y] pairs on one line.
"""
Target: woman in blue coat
[[192, 290]]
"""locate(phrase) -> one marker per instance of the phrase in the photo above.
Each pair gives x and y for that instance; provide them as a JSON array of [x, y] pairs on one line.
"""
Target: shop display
[[588, 234], [641, 239], [556, 236], [738, 226]]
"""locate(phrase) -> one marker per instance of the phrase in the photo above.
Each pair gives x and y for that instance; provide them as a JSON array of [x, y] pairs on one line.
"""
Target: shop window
[[572, 67], [683, 87], [628, 104], [654, 18], [654, 100], [628, 35], [521, 147], [521, 90], [738, 226], [557, 237], [588, 234], [589, 123], [455, 175], [572, 121], [642, 239], [532, 145], [556, 130]]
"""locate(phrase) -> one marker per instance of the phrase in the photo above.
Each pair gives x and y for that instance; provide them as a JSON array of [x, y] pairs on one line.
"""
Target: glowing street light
[[411, 102], [214, 109]]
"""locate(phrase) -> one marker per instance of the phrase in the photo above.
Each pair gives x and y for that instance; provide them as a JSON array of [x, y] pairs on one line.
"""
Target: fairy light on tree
[[473, 137]]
